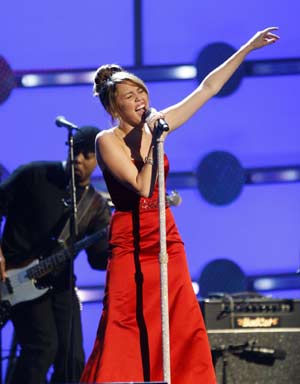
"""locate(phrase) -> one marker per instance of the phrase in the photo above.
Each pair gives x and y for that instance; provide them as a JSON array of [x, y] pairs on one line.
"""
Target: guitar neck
[[54, 261]]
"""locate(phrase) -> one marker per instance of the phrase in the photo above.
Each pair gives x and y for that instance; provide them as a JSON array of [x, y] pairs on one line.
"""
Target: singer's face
[[132, 102], [85, 164]]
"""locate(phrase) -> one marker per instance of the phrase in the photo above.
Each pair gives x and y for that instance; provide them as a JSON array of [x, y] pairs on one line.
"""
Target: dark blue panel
[[64, 34], [176, 31]]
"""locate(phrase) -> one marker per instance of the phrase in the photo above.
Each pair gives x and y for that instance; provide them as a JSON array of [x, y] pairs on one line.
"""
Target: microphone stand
[[73, 235], [163, 257], [73, 217], [223, 351]]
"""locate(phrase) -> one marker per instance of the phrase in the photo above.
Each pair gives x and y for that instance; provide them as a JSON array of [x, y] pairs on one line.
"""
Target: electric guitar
[[21, 283]]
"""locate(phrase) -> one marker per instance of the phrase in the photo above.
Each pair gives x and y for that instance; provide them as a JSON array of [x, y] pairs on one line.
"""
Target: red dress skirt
[[128, 345]]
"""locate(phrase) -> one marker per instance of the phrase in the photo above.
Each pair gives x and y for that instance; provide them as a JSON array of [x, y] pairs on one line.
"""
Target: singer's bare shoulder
[[106, 134], [107, 138], [104, 142]]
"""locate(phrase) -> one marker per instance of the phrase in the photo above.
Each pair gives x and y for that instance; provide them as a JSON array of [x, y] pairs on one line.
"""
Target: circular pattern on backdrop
[[220, 177], [211, 57], [221, 276], [7, 80]]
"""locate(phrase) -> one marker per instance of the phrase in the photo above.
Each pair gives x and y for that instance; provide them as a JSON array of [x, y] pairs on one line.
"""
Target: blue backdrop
[[259, 123]]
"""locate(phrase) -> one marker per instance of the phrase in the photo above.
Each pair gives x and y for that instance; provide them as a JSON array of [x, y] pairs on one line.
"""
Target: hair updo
[[106, 79]]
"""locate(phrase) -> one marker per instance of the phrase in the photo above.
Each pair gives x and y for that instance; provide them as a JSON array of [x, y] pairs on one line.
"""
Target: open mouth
[[141, 110]]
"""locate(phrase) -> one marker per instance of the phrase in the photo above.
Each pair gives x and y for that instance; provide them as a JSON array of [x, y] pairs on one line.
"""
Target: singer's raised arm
[[179, 113]]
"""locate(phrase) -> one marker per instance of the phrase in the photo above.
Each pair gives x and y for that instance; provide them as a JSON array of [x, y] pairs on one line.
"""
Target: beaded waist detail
[[147, 204]]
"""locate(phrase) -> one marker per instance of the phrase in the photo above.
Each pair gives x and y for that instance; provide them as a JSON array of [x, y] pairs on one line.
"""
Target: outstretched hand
[[263, 38]]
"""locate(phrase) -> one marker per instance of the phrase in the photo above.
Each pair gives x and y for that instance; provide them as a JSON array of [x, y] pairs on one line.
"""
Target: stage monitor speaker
[[256, 356]]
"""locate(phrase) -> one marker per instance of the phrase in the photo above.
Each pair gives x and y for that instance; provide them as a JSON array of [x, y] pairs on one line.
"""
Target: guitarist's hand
[[3, 275]]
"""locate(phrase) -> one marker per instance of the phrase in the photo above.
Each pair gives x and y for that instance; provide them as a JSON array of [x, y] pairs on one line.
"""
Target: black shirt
[[33, 199]]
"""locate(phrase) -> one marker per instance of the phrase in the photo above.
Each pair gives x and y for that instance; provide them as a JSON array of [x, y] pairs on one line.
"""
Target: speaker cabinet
[[256, 356]]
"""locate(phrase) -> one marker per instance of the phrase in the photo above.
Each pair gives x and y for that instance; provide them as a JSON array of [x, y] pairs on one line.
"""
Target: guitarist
[[34, 200]]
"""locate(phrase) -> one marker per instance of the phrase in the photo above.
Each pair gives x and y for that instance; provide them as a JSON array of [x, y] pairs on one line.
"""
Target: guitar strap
[[83, 206]]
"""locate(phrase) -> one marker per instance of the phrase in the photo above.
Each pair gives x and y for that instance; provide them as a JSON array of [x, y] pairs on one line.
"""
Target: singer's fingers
[[270, 29], [269, 35], [272, 35], [154, 117], [264, 37]]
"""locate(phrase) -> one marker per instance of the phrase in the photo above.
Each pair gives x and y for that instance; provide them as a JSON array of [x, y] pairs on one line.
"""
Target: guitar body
[[19, 287], [20, 284]]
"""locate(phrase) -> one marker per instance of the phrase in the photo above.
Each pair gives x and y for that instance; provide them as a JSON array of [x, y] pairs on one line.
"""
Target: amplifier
[[231, 312], [256, 356]]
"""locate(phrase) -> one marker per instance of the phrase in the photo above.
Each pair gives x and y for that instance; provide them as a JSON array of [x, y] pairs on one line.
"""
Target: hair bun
[[103, 74]]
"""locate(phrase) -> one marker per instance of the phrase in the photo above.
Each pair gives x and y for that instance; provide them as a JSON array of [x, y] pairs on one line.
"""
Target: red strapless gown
[[128, 345]]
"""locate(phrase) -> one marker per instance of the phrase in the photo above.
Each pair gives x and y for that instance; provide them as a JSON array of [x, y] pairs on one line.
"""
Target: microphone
[[265, 352], [61, 121], [256, 353], [173, 198], [161, 124]]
